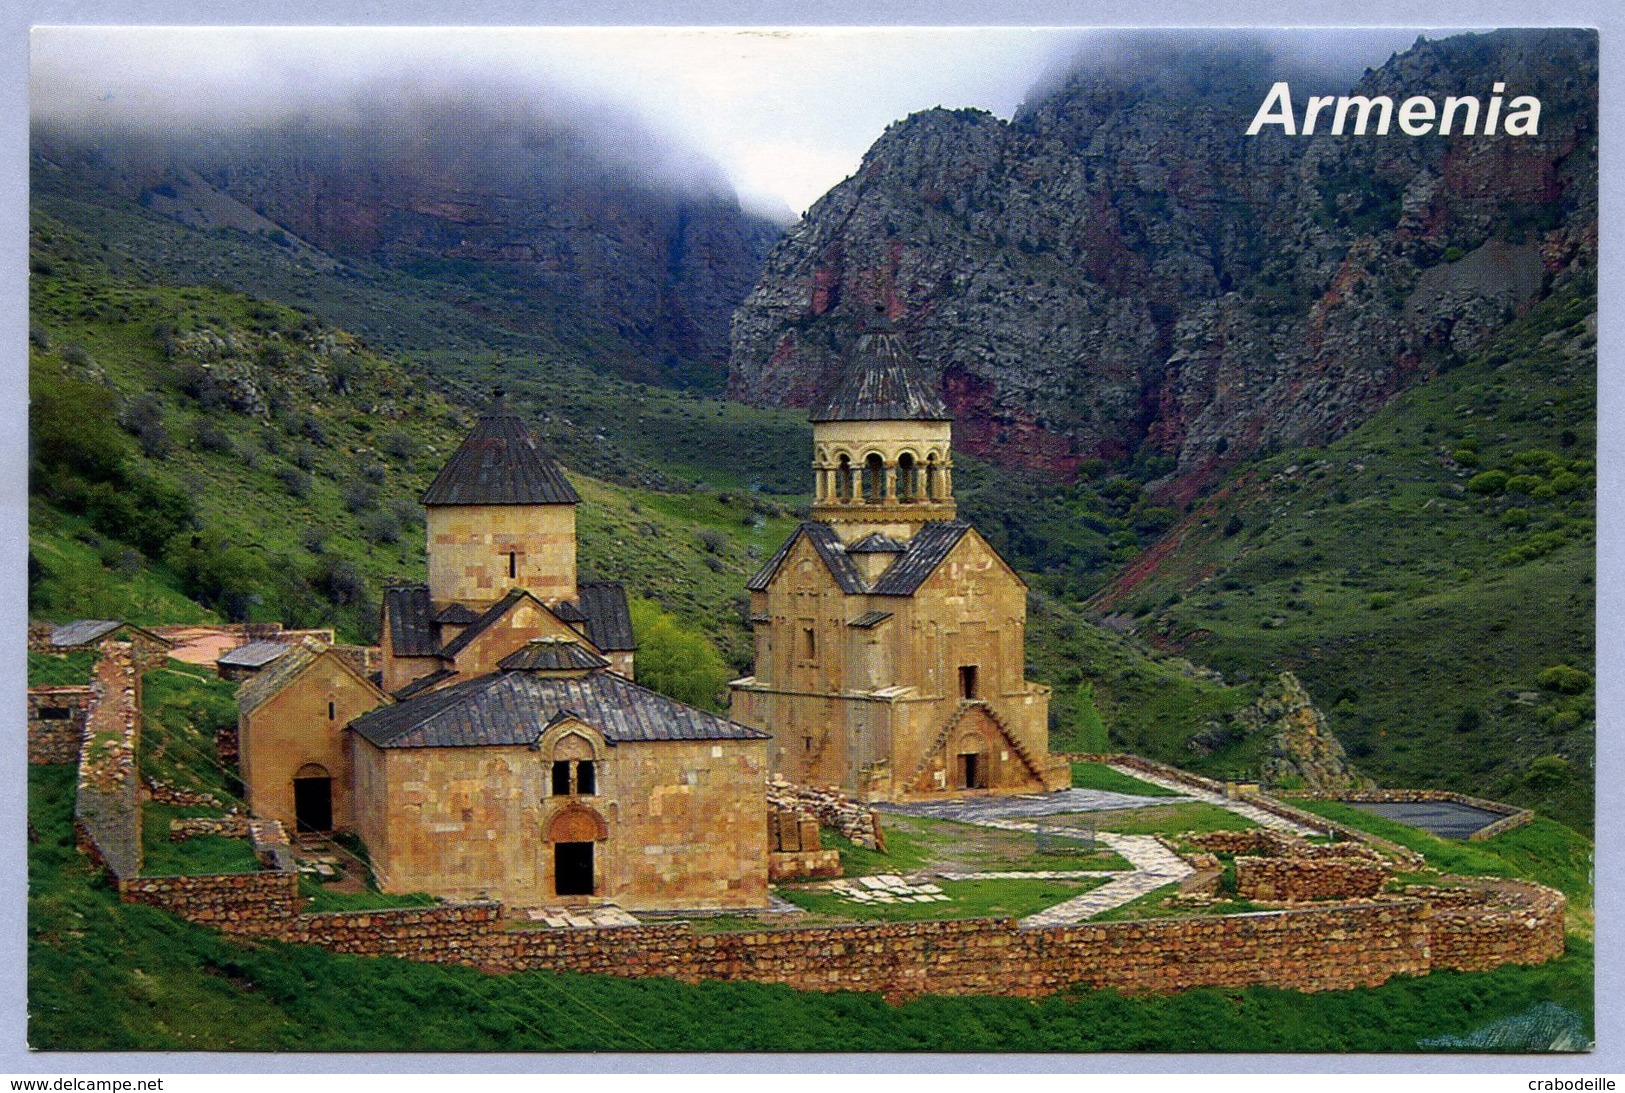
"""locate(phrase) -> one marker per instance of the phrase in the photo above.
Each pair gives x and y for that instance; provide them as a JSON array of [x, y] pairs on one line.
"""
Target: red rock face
[[1011, 438], [1118, 270]]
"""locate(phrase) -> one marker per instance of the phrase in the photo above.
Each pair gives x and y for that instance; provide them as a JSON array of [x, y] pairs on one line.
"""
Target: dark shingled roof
[[456, 615], [411, 629], [508, 708], [882, 383], [423, 683], [474, 629], [565, 611], [542, 655], [500, 464], [609, 623], [829, 548], [925, 552], [256, 654], [82, 632], [876, 543], [261, 686], [869, 620]]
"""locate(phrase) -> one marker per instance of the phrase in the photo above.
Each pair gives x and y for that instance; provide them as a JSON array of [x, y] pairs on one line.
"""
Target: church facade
[[890, 636], [505, 750]]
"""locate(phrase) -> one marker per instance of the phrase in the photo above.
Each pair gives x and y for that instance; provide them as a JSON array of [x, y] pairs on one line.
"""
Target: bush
[[382, 528], [294, 480], [1563, 679], [212, 438], [1488, 483], [361, 497], [676, 659]]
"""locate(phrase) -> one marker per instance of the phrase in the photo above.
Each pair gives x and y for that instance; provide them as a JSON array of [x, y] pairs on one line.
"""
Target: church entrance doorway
[[313, 799], [972, 772], [572, 869]]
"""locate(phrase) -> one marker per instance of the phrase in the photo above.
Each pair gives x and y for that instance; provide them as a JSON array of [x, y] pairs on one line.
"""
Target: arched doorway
[[971, 766], [572, 840], [313, 798]]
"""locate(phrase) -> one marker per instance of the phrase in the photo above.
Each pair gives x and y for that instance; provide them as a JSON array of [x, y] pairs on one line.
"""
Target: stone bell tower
[[882, 454]]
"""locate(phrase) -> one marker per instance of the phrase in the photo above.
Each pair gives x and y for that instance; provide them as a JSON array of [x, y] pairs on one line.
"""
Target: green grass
[[905, 851], [191, 857], [182, 707], [1100, 776], [65, 670], [322, 897], [1171, 819], [109, 976], [969, 899]]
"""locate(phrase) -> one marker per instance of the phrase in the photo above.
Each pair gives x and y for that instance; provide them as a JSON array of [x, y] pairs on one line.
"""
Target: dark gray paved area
[[1447, 819]]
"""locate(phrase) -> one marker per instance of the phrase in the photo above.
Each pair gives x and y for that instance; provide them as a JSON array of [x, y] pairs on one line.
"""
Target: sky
[[784, 114]]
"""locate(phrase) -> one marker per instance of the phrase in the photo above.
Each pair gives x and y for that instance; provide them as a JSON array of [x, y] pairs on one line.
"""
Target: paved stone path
[[1257, 815], [1046, 874], [1154, 866]]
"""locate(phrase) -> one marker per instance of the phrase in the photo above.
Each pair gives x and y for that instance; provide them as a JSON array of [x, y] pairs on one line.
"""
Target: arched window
[[908, 478], [843, 480], [933, 478], [874, 479]]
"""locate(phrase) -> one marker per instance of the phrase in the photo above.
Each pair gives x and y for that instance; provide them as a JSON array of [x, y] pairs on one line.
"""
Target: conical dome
[[500, 464], [882, 383]]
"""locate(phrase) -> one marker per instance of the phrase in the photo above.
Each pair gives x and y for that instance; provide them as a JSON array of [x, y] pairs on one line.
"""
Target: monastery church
[[505, 751], [890, 656]]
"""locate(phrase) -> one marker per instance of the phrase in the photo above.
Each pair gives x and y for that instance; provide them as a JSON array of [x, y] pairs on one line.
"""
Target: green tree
[[676, 659]]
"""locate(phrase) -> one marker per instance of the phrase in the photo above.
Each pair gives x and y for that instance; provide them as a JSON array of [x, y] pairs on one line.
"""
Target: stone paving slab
[[1154, 866]]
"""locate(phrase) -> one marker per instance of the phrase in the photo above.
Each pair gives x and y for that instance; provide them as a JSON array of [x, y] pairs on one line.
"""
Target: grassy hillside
[[1430, 576]]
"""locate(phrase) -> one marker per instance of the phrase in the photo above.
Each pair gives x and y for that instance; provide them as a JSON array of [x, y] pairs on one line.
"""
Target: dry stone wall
[[243, 903], [56, 723], [1512, 922], [232, 826], [1324, 948], [1294, 880], [107, 808]]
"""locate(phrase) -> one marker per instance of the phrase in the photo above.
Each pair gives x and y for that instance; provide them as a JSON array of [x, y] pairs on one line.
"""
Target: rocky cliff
[[1120, 273], [527, 219]]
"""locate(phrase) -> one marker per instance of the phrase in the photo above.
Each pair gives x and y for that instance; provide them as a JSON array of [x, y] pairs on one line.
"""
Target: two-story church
[[505, 750], [889, 634]]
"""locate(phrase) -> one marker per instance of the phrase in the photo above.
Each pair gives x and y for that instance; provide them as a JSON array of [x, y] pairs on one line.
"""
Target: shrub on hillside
[[1563, 679]]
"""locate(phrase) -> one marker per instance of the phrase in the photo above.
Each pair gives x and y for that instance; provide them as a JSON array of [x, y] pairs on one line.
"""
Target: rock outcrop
[[1303, 753], [1120, 271]]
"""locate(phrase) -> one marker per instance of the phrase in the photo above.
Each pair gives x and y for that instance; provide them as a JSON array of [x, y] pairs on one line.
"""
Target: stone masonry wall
[[1323, 948], [1516, 923], [55, 738], [1294, 880], [107, 808], [242, 903]]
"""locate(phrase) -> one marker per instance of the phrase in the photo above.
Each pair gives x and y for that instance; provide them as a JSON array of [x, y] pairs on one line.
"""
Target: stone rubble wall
[[1263, 842], [166, 794], [1511, 815], [1296, 880], [57, 740], [832, 808], [107, 807], [39, 637], [226, 746], [232, 826], [255, 904], [1516, 923], [1324, 948]]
